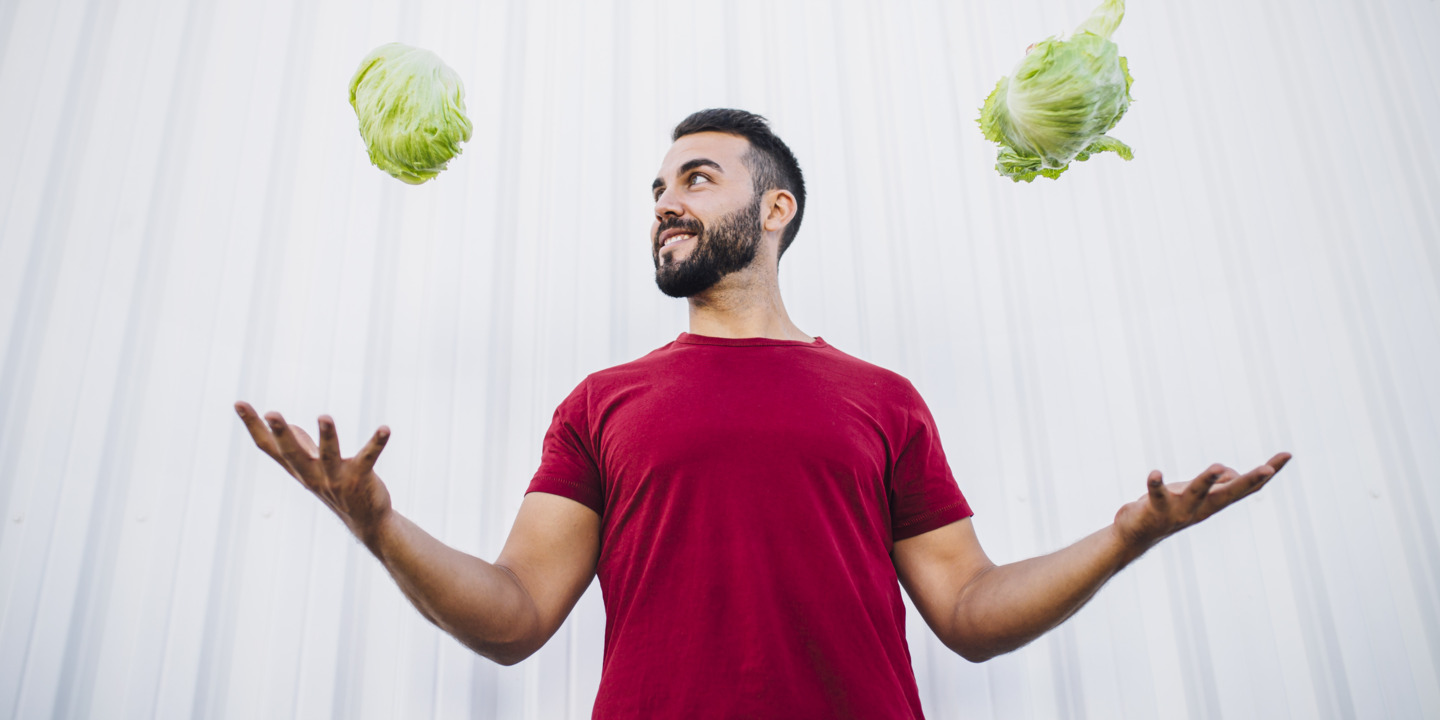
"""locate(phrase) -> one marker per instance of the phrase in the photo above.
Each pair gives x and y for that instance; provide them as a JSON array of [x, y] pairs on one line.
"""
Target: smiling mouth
[[676, 238]]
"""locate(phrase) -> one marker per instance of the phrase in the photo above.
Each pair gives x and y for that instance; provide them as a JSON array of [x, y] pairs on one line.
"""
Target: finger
[[1159, 497], [329, 446], [1200, 486], [1227, 474], [1248, 483], [1279, 461], [1253, 480], [259, 432], [302, 461], [371, 452]]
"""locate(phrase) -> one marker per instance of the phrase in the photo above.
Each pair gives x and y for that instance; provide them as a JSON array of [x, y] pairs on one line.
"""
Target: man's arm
[[507, 609], [503, 610], [980, 610]]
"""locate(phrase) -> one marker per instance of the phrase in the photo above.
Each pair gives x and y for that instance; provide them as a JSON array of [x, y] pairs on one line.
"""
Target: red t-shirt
[[750, 492]]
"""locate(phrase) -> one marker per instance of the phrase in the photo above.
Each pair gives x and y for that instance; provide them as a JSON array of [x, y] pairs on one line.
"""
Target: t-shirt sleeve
[[568, 465], [925, 495]]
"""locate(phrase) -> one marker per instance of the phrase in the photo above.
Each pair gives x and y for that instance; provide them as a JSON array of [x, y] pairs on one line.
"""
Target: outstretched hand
[[348, 486], [1167, 509]]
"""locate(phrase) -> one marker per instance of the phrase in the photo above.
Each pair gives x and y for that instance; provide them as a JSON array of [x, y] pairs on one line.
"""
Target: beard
[[727, 248]]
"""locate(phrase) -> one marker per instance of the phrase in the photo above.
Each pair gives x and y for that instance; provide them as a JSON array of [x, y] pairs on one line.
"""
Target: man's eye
[[697, 177]]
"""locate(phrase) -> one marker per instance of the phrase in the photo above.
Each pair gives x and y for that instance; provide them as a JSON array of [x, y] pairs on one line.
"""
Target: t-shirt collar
[[688, 339]]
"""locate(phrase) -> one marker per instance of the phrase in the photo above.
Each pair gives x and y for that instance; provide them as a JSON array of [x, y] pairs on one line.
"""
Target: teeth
[[676, 238]]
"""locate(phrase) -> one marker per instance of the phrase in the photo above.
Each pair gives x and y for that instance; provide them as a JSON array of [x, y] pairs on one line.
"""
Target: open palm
[[1168, 508], [348, 486]]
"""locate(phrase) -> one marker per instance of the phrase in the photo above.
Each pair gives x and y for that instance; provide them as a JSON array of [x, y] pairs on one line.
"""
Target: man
[[748, 494]]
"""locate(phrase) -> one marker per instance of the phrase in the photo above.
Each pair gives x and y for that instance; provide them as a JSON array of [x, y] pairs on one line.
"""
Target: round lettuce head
[[411, 107], [1059, 102]]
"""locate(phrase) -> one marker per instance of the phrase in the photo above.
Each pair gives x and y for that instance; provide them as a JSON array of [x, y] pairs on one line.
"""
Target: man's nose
[[667, 205]]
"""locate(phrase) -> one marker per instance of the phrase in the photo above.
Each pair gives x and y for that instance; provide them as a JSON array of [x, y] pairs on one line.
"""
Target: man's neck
[[746, 304]]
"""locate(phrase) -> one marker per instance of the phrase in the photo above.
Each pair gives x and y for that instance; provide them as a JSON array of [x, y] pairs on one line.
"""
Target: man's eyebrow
[[687, 167], [700, 162]]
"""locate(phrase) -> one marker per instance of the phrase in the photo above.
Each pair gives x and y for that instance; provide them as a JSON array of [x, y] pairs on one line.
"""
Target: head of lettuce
[[411, 107], [1059, 102]]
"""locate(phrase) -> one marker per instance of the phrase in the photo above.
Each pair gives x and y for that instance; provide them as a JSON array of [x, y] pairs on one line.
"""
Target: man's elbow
[[973, 653], [506, 646], [976, 648], [978, 656], [507, 659], [506, 654]]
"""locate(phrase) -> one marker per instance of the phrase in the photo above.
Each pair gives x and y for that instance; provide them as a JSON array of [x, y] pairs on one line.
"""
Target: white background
[[188, 217]]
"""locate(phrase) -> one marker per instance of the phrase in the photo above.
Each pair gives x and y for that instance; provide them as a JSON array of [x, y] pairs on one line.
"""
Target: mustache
[[692, 226]]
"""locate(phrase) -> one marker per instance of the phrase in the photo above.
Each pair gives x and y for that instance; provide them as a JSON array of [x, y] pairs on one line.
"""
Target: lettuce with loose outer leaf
[[1059, 102], [411, 108]]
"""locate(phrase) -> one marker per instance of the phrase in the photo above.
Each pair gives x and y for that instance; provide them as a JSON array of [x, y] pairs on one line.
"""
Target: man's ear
[[778, 209]]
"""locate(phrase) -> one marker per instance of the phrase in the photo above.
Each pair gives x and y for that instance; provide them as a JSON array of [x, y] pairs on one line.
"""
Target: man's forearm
[[482, 604], [1007, 606]]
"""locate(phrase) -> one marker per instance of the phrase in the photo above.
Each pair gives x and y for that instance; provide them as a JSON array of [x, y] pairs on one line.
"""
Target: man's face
[[707, 214]]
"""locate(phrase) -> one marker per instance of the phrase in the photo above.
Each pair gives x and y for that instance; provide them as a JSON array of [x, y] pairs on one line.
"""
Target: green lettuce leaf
[[411, 108], [1058, 103]]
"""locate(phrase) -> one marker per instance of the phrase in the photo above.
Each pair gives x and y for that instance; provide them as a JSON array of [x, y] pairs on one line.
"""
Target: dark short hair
[[770, 161]]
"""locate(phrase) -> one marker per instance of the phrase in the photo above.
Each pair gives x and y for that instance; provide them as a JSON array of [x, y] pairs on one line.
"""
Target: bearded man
[[751, 498]]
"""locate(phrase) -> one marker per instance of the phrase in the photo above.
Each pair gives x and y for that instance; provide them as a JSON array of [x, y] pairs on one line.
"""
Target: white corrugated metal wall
[[187, 217]]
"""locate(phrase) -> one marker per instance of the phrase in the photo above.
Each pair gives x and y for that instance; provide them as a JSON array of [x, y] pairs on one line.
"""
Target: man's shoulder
[[869, 373], [644, 364], [624, 374]]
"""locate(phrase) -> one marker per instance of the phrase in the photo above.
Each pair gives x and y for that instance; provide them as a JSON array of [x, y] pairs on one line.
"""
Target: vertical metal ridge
[[8, 198], [1421, 184], [957, 110], [81, 656], [620, 157], [852, 186], [1416, 528], [1035, 439], [1153, 412], [451, 468], [1120, 233], [732, 55], [23, 346], [212, 670], [894, 207], [213, 666], [350, 656], [1261, 376], [1176, 556], [349, 651], [484, 698], [1191, 625], [7, 22]]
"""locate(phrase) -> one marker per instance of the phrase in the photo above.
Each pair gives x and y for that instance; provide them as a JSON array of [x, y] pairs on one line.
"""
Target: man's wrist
[[1126, 547], [380, 536]]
